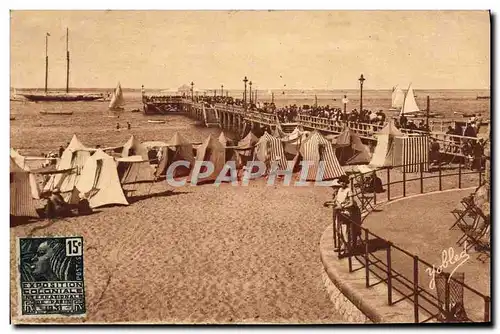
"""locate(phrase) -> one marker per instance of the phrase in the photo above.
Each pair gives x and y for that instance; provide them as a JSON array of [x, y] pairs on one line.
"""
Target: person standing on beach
[[117, 126], [128, 125]]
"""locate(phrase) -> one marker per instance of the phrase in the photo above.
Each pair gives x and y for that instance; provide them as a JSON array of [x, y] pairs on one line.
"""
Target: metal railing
[[375, 255]]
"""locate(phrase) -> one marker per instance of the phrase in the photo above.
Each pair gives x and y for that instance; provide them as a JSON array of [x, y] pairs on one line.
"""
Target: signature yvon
[[448, 258]]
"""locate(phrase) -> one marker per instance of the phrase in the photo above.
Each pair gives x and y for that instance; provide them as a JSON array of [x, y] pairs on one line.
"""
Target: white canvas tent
[[72, 159], [384, 151], [20, 161], [21, 201], [213, 151], [99, 181]]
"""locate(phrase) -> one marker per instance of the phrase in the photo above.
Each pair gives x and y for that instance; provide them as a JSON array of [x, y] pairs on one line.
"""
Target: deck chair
[[450, 295], [467, 211], [365, 200], [477, 232]]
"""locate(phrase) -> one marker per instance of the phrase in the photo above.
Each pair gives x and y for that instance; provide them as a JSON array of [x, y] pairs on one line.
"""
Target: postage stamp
[[51, 276]]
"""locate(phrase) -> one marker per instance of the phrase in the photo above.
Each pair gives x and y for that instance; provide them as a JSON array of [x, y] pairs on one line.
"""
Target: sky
[[299, 49]]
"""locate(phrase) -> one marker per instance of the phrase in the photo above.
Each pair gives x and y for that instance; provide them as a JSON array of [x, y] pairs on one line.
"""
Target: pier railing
[[404, 273]]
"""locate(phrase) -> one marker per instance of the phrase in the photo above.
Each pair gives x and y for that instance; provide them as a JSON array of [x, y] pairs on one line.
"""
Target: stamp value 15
[[51, 276]]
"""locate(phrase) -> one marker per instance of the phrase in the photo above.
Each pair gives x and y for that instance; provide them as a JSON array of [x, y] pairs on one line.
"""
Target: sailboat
[[398, 97], [409, 104], [65, 97], [117, 100]]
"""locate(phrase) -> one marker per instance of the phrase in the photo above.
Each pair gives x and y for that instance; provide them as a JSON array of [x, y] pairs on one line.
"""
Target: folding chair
[[450, 295], [364, 199], [477, 231], [461, 214]]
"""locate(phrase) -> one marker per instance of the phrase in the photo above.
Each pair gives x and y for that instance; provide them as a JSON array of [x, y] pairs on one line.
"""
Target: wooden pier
[[236, 118]]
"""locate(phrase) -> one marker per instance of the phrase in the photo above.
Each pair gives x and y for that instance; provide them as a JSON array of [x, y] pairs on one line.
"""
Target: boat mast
[[67, 61], [46, 60]]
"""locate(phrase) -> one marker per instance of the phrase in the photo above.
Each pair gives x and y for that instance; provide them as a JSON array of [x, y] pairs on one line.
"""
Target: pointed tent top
[[345, 137], [75, 144], [14, 167], [212, 142], [251, 137], [178, 140], [222, 138], [100, 154], [390, 129]]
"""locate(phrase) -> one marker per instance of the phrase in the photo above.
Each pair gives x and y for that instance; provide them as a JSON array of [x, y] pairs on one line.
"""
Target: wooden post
[[367, 266], [46, 61], [67, 61], [440, 183], [334, 225], [427, 114], [388, 184], [447, 296], [459, 175], [487, 309], [374, 192], [415, 288], [404, 181], [421, 177], [389, 275]]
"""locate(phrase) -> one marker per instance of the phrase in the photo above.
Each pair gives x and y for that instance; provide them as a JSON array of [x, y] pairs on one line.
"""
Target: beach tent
[[317, 148], [248, 142], [292, 143], [211, 150], [99, 181], [350, 150], [411, 152], [134, 147], [270, 149], [134, 169], [20, 161], [177, 149], [224, 140], [73, 159], [21, 200], [383, 154]]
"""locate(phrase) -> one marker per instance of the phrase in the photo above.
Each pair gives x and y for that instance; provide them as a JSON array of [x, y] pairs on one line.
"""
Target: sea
[[33, 133]]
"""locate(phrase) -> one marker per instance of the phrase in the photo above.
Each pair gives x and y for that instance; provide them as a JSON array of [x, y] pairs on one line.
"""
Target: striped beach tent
[[21, 201], [412, 152], [20, 161], [269, 149], [317, 148]]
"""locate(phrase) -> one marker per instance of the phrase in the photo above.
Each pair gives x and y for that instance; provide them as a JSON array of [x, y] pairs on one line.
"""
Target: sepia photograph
[[303, 167]]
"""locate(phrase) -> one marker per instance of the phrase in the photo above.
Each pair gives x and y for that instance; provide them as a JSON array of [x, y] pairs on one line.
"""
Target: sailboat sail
[[409, 105], [117, 99], [398, 97]]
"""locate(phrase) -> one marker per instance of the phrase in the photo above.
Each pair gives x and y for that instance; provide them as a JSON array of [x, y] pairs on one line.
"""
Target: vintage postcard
[[250, 167]]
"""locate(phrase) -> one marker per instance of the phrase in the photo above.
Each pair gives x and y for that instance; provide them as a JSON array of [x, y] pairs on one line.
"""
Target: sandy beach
[[202, 255]]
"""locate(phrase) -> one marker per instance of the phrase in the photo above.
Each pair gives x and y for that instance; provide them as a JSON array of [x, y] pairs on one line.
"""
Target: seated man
[[84, 205], [373, 184], [56, 206]]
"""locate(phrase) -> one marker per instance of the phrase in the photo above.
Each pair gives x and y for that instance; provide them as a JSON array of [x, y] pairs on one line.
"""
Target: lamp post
[[192, 91], [361, 80], [250, 83], [245, 80], [222, 90]]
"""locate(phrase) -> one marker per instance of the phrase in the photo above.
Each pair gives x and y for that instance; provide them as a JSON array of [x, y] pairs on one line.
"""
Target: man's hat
[[56, 191]]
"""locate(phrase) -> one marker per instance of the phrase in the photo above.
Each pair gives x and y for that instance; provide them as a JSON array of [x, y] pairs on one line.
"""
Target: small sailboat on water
[[409, 106], [398, 97], [117, 100]]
